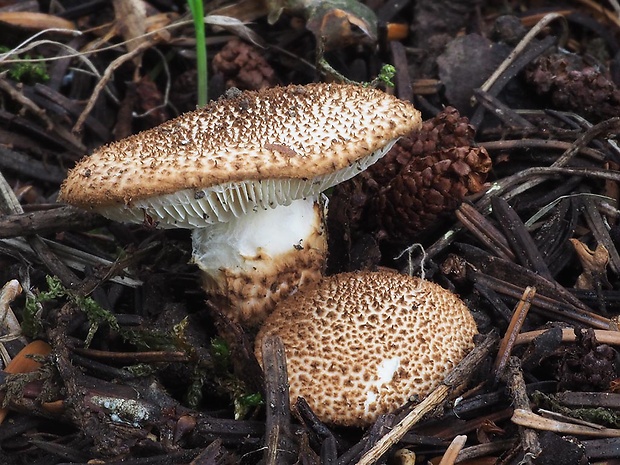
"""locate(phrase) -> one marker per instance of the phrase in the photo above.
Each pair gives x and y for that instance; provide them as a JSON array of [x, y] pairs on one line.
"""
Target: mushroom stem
[[259, 258]]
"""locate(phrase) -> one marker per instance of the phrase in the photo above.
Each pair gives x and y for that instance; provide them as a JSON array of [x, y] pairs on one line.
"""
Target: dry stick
[[28, 104], [49, 221], [280, 447], [598, 8], [73, 258], [522, 243], [483, 450], [568, 335], [402, 79], [511, 278], [523, 44], [456, 377], [155, 356], [529, 419], [598, 226], [20, 98], [518, 392], [30, 166], [566, 311], [487, 99], [514, 328], [30, 44], [107, 75], [502, 186], [488, 102], [485, 231], [73, 108], [547, 144], [565, 418], [9, 324], [470, 426], [586, 399], [608, 126], [11, 205], [449, 458]]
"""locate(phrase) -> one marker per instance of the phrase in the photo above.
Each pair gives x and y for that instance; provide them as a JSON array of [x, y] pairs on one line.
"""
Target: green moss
[[599, 415], [28, 70]]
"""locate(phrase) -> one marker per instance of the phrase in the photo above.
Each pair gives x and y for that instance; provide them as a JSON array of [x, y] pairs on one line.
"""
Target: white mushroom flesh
[[385, 372], [284, 247]]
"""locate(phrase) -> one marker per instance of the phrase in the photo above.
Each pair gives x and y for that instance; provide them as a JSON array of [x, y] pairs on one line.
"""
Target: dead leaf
[[36, 21], [594, 263], [340, 23], [23, 363], [334, 23], [234, 26]]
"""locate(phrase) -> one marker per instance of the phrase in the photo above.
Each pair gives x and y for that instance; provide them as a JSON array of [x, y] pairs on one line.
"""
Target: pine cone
[[444, 131], [428, 188], [243, 67], [574, 86], [424, 176]]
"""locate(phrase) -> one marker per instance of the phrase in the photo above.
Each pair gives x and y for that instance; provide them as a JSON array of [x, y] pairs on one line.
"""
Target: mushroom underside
[[195, 208]]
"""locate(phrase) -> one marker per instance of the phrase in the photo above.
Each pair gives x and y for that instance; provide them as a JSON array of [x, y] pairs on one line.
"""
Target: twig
[[511, 278], [280, 447], [11, 326], [614, 16], [600, 231], [11, 205], [529, 419], [28, 104], [29, 166], [48, 221], [603, 128], [127, 358], [523, 246], [456, 377], [536, 176], [514, 328], [485, 231], [483, 450], [518, 393], [559, 309], [74, 258], [603, 336], [516, 144], [450, 456], [500, 110], [544, 22], [107, 75]]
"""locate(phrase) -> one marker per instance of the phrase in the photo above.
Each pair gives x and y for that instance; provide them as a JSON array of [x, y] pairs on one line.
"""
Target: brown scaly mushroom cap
[[361, 344], [245, 174], [257, 150]]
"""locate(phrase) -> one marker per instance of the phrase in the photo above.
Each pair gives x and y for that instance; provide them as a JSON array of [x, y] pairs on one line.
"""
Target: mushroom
[[362, 344], [245, 174]]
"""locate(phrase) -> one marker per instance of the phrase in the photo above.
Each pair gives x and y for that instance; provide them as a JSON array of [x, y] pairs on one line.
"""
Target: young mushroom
[[245, 174], [362, 344]]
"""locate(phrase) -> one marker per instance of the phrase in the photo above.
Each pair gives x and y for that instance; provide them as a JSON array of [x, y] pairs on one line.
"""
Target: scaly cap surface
[[257, 150], [361, 344]]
